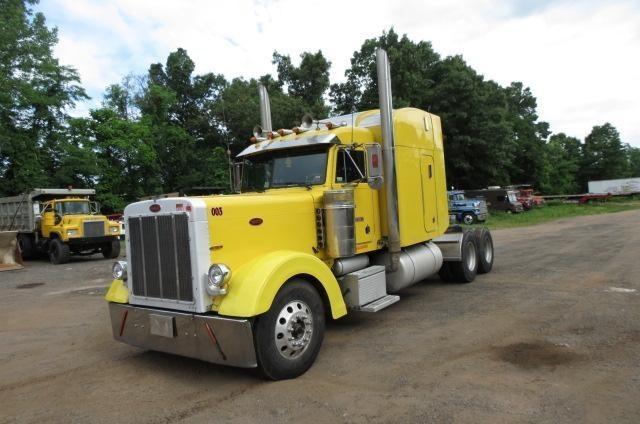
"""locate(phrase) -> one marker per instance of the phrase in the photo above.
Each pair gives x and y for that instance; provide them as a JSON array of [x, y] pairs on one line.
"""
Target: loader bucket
[[10, 257]]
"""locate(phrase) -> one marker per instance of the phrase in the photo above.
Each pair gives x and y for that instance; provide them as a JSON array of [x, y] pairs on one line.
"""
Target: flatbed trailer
[[580, 198]]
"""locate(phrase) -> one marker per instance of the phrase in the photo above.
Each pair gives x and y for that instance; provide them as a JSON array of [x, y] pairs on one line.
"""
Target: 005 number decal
[[216, 211]]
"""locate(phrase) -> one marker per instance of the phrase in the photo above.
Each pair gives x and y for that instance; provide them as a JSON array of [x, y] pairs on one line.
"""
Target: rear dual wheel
[[485, 250], [26, 245], [289, 335], [477, 257], [465, 270]]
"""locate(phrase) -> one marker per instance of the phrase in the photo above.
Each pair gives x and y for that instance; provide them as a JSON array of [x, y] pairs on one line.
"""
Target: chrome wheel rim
[[468, 219], [294, 329], [471, 257]]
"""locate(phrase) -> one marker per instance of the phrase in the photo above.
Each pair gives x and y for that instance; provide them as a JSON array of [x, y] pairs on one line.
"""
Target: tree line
[[171, 128]]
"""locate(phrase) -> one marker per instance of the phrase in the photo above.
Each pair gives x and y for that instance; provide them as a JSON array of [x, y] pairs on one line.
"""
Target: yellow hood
[[245, 226]]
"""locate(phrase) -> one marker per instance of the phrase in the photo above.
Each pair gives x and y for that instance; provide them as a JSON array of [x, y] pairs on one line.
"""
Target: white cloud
[[581, 59]]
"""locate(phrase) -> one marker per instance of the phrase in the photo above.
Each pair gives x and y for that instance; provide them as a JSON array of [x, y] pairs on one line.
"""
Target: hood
[[244, 226], [76, 220]]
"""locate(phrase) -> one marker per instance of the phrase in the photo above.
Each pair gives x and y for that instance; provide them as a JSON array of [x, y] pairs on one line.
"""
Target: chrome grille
[[94, 228], [160, 257], [483, 207]]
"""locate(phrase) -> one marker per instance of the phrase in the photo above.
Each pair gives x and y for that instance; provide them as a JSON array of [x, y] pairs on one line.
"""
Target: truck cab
[[467, 211]]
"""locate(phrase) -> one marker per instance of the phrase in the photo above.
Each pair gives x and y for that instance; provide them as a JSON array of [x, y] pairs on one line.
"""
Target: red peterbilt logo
[[155, 207], [216, 211]]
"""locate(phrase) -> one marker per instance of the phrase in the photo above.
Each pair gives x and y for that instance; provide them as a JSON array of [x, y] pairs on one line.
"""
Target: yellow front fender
[[253, 287], [117, 293]]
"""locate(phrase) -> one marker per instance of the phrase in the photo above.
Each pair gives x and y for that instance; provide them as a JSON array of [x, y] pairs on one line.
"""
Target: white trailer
[[615, 187]]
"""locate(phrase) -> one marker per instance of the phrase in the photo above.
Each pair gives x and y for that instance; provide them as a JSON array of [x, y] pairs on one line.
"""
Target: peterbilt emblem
[[155, 207]]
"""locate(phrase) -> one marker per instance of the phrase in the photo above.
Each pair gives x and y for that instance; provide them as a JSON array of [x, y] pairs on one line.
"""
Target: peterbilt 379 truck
[[334, 216], [59, 222]]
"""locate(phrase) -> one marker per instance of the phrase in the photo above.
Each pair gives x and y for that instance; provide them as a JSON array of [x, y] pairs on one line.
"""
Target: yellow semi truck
[[333, 216], [59, 222]]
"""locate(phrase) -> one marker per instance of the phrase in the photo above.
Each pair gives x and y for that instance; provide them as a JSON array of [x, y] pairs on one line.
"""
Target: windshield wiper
[[294, 184]]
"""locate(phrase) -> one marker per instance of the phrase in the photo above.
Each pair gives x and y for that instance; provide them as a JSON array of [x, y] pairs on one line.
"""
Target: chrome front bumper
[[211, 338]]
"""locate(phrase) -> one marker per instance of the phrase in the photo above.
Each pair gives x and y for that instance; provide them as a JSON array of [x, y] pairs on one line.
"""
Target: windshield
[[285, 168], [73, 208], [512, 198]]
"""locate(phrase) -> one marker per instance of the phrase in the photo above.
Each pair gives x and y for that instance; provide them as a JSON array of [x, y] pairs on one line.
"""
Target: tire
[[296, 305], [445, 272], [465, 271], [58, 252], [468, 218], [26, 245], [486, 253], [111, 250]]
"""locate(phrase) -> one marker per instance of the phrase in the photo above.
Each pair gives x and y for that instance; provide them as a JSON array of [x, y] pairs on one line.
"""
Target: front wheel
[[111, 250], [58, 252], [289, 335], [468, 218]]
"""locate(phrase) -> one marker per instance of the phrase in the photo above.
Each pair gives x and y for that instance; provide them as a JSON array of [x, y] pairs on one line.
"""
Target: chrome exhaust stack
[[265, 109], [388, 157]]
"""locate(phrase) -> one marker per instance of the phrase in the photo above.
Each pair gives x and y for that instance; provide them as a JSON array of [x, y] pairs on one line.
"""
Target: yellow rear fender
[[253, 287]]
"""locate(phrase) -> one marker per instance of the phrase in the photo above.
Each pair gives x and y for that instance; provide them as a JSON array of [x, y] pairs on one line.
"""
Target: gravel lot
[[551, 335]]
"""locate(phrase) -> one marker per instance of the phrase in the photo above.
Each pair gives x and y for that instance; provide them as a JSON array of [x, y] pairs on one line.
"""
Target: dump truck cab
[[338, 214]]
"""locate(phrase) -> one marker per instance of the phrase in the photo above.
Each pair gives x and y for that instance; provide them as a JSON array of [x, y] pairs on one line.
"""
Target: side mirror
[[237, 177], [374, 166]]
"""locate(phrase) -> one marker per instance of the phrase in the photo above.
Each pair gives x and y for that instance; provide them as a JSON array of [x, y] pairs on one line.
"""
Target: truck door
[[349, 165], [429, 205]]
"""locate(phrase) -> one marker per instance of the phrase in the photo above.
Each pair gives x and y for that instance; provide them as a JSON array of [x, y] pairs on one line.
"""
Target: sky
[[580, 58]]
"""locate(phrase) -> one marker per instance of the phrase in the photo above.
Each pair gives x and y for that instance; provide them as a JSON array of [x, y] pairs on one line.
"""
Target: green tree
[[179, 108], [307, 82], [529, 162], [35, 92], [633, 155], [603, 155], [562, 163], [479, 142]]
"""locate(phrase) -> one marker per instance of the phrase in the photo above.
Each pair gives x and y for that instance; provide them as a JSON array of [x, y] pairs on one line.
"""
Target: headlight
[[114, 229], [72, 233], [119, 270], [218, 275]]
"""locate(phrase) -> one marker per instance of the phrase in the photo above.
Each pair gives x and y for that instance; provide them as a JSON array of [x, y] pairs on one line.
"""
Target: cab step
[[379, 304]]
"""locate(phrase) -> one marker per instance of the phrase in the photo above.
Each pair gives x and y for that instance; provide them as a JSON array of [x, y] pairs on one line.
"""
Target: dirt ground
[[551, 335]]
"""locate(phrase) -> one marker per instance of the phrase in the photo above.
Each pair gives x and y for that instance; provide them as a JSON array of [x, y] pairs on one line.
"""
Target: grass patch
[[557, 210]]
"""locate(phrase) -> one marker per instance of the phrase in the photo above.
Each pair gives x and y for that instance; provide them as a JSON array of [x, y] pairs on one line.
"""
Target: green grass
[[557, 210]]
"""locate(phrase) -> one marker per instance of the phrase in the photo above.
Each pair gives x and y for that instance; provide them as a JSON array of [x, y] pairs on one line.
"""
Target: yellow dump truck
[[59, 222], [334, 216]]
